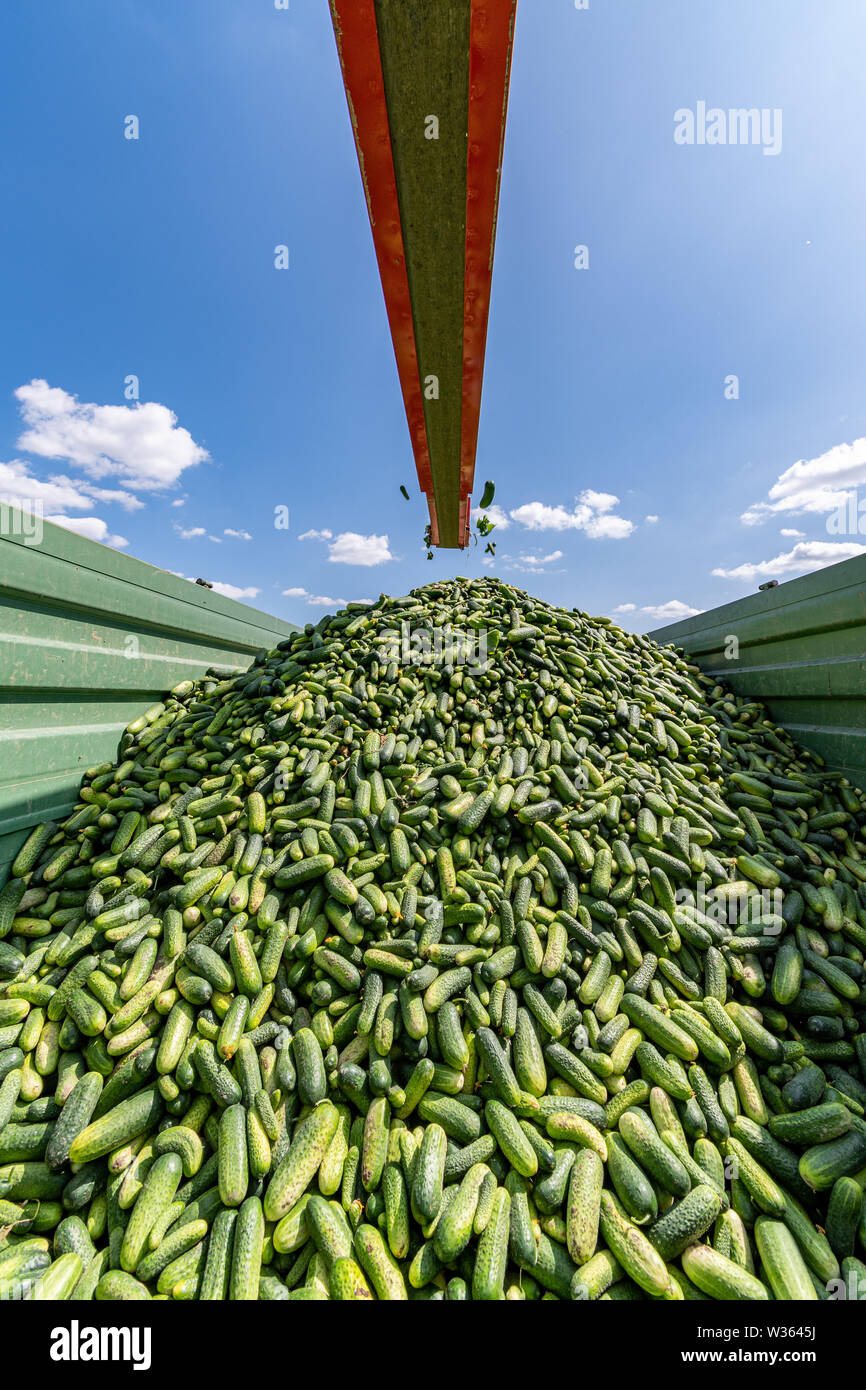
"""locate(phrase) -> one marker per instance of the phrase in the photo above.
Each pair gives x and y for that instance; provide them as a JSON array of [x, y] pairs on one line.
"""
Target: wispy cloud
[[238, 535], [189, 533], [315, 535]]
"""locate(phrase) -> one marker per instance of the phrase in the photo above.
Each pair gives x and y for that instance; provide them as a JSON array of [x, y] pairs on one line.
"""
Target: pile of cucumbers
[[462, 948]]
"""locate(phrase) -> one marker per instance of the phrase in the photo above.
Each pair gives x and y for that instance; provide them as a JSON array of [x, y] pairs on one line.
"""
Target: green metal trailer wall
[[801, 648], [89, 638]]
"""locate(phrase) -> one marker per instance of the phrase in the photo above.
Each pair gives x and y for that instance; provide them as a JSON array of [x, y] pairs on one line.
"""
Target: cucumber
[[823, 1164], [312, 1082], [720, 1278], [813, 1243], [816, 1125], [762, 1188], [329, 1229], [630, 1182], [844, 1212], [111, 1131], [116, 1286], [575, 1129], [158, 1191], [396, 1200], [454, 1228], [246, 1258], [491, 1258], [584, 1205], [640, 1261], [529, 1065], [782, 1262], [379, 1265], [300, 1165], [32, 849], [685, 1222], [75, 1116], [459, 1122], [513, 1143], [347, 1281], [374, 1147], [429, 1174], [659, 1028], [234, 1174], [652, 1154]]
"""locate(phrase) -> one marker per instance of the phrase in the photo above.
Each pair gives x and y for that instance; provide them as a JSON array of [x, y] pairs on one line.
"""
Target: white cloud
[[92, 527], [789, 531], [805, 556], [232, 591], [117, 496], [350, 548], [814, 485], [238, 535], [227, 590], [18, 483], [142, 444], [651, 520], [495, 513], [316, 536], [535, 516], [599, 501], [530, 564], [178, 501], [608, 528], [190, 534], [319, 600], [216, 540], [591, 514], [668, 612], [662, 612], [54, 497]]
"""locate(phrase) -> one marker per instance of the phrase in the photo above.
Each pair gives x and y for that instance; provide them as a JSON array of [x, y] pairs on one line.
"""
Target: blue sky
[[261, 388]]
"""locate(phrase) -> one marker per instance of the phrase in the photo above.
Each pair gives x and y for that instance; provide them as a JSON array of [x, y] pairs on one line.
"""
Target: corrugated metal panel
[[801, 648], [89, 638]]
